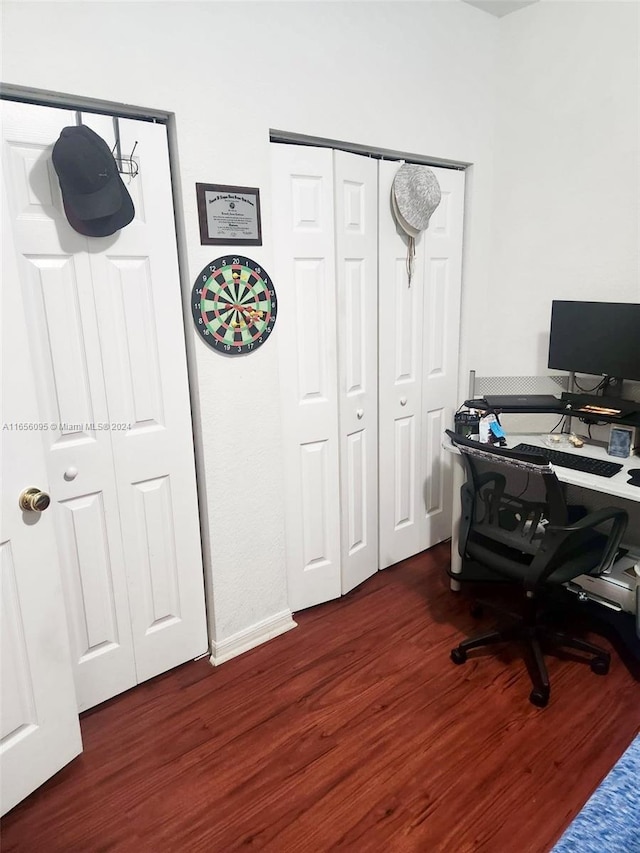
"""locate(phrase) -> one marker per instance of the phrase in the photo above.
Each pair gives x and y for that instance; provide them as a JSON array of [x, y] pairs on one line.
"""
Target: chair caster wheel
[[458, 655], [539, 697], [477, 611], [600, 665]]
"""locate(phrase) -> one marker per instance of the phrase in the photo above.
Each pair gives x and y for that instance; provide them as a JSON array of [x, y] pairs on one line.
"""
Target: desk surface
[[617, 485]]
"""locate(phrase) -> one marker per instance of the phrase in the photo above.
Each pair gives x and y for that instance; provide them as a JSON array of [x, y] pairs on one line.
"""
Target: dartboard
[[234, 305]]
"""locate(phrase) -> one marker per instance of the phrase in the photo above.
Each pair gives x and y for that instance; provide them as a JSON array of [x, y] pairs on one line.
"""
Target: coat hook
[[116, 128], [126, 165]]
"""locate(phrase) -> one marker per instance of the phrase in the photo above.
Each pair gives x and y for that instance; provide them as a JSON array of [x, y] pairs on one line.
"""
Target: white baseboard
[[251, 637]]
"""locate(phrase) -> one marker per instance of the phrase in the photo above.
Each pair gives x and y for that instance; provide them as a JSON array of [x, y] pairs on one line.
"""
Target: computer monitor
[[600, 338]]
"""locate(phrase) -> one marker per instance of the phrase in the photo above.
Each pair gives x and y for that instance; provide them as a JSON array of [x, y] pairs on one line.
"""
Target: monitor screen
[[600, 338]]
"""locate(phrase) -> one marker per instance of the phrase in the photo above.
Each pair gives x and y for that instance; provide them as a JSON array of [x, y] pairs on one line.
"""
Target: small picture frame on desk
[[621, 441]]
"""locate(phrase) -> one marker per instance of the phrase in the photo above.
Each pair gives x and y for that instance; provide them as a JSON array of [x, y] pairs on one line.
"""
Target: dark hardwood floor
[[353, 732]]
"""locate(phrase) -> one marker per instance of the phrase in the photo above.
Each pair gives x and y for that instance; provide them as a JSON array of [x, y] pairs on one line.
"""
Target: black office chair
[[516, 523]]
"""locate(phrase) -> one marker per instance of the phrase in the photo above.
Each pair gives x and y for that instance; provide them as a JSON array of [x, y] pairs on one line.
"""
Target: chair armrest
[[593, 519], [618, 516]]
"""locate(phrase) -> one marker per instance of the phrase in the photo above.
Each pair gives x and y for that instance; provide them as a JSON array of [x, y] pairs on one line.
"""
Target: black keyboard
[[600, 467]]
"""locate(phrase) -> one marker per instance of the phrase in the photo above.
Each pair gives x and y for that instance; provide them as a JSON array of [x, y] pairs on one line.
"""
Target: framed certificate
[[229, 215]]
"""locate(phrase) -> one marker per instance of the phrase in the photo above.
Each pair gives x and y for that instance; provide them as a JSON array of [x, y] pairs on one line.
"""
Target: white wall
[[552, 196], [415, 77], [567, 180]]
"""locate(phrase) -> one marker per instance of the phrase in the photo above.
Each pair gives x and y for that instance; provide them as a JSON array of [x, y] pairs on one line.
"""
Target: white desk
[[605, 491], [616, 486]]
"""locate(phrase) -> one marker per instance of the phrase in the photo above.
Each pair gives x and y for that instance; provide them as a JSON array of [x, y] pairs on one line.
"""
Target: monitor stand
[[612, 387]]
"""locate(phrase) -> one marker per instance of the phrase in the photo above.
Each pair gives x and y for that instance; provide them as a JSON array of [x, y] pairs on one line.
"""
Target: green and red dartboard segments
[[234, 305]]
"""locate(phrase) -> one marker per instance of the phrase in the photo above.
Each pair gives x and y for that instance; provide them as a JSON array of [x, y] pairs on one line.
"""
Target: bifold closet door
[[105, 334], [39, 726], [57, 298], [356, 221], [138, 301], [304, 247], [419, 328], [368, 367], [325, 247]]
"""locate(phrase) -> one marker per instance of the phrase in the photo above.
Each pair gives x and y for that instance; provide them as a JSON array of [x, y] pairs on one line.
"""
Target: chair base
[[535, 637]]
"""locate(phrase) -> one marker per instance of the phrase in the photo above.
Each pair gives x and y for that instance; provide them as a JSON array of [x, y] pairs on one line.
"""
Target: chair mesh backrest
[[510, 500]]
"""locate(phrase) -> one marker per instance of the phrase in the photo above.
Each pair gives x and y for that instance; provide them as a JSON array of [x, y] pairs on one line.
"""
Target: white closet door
[[139, 308], [356, 223], [418, 356], [441, 343], [39, 732], [303, 223], [105, 327], [55, 290], [400, 388]]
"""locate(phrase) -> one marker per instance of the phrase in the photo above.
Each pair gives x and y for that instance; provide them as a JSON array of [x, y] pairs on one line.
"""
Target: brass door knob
[[34, 500]]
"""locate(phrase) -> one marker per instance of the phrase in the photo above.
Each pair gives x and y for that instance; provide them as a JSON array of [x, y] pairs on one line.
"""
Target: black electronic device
[[599, 338], [523, 402], [592, 404], [467, 424], [575, 461]]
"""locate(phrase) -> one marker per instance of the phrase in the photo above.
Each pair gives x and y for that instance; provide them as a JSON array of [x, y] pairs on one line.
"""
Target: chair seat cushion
[[516, 565]]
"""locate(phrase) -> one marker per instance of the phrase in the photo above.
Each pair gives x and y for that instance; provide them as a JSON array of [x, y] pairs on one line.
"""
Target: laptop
[[527, 402]]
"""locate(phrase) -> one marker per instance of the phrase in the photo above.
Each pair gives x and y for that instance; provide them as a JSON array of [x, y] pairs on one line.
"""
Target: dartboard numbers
[[234, 305]]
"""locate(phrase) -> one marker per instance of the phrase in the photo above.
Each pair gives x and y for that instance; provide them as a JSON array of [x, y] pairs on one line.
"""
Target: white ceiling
[[499, 8]]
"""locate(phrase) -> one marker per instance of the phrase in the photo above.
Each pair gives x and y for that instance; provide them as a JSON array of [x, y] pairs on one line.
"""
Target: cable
[[590, 423], [526, 486], [561, 421], [589, 390]]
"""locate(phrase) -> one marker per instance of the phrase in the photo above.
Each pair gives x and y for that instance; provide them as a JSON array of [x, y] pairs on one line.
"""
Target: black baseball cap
[[95, 199]]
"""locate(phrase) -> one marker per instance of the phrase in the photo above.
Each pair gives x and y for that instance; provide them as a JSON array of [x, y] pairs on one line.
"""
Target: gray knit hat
[[414, 197], [415, 194]]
